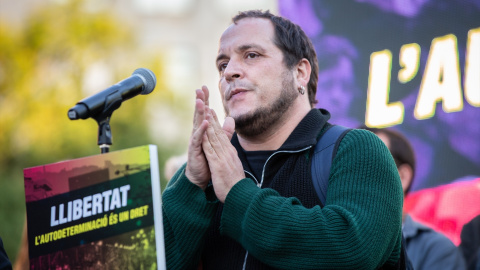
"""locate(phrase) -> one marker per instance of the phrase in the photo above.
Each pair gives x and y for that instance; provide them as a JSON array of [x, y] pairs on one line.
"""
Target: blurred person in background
[[470, 244], [5, 263], [426, 248], [22, 262], [173, 164], [245, 198]]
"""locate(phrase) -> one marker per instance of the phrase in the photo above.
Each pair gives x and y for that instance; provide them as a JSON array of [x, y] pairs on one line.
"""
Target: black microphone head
[[148, 78]]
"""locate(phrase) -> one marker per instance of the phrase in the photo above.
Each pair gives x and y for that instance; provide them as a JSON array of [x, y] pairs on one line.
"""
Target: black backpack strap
[[322, 157]]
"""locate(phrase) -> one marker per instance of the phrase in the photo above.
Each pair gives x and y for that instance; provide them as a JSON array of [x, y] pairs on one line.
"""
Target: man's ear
[[406, 175], [303, 70]]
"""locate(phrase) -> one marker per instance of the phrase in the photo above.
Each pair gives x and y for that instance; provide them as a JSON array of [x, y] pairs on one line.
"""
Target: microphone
[[142, 82]]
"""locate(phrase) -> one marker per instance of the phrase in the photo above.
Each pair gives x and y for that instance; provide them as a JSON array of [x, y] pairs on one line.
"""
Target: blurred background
[[53, 53]]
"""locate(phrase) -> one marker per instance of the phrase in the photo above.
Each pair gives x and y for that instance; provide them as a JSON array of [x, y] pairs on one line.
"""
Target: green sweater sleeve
[[187, 214], [359, 227]]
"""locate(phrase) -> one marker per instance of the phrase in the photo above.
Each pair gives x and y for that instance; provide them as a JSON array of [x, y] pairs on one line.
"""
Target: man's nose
[[233, 70]]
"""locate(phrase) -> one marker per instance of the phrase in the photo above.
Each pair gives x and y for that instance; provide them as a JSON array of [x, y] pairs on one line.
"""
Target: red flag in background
[[446, 208]]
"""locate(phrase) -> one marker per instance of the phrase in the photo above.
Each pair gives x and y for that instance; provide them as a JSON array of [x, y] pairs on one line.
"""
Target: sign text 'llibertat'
[[90, 205]]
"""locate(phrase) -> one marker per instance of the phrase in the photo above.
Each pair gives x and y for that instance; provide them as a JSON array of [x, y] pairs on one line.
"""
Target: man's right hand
[[197, 170]]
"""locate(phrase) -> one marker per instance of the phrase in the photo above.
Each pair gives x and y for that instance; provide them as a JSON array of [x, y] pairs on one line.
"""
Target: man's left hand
[[225, 166]]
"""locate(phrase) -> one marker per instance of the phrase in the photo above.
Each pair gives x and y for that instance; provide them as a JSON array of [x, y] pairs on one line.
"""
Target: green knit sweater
[[359, 227]]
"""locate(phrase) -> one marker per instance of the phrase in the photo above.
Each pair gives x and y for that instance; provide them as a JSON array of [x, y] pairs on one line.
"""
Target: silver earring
[[302, 89]]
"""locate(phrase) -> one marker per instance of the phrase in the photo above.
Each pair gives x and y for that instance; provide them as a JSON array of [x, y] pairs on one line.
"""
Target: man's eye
[[222, 66], [252, 55]]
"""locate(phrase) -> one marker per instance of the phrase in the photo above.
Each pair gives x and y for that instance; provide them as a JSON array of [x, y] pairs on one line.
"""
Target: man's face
[[255, 85]]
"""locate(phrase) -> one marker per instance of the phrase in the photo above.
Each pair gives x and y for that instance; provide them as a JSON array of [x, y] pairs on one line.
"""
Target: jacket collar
[[411, 228]]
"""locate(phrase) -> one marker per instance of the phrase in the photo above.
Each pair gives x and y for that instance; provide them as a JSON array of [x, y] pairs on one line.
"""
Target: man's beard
[[265, 117]]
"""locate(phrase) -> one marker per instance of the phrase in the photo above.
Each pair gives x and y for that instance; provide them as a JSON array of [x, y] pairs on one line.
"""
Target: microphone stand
[[104, 135], [112, 102]]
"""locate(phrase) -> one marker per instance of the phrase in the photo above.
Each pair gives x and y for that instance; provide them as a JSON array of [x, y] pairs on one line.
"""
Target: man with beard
[[245, 198]]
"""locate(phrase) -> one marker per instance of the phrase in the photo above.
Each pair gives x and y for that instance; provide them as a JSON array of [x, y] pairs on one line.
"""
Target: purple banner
[[413, 66]]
